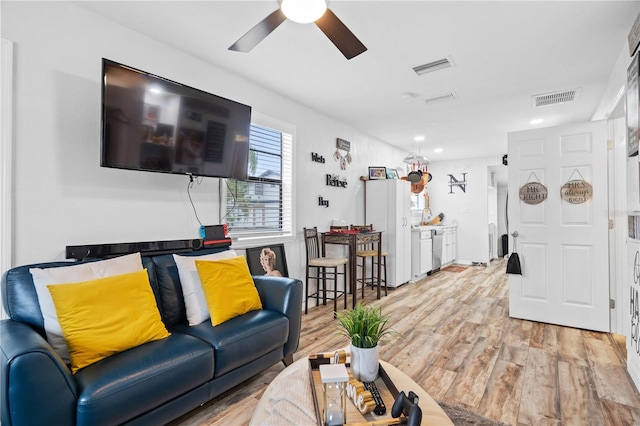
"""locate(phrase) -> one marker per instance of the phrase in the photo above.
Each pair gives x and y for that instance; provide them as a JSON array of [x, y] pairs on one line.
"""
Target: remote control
[[380, 407]]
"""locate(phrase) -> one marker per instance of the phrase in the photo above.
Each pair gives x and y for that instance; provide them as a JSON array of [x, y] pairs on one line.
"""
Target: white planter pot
[[364, 363]]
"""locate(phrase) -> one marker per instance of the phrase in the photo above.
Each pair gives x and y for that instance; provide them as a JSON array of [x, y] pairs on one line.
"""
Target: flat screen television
[[153, 124]]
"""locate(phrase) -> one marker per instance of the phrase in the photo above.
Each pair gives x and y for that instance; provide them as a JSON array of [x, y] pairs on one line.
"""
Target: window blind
[[262, 205]]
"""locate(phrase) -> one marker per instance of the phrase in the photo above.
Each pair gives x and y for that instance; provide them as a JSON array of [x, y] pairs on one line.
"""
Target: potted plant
[[365, 326]]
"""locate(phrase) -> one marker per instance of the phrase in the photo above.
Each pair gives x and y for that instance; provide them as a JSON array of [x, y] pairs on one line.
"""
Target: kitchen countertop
[[418, 228]]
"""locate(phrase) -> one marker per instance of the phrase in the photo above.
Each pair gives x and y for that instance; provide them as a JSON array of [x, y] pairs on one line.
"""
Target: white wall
[[625, 200], [61, 195], [6, 155], [502, 214], [492, 219], [467, 209]]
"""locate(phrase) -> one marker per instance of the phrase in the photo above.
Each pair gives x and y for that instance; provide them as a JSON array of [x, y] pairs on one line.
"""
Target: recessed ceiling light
[[434, 66], [437, 150], [536, 121], [419, 138], [450, 96]]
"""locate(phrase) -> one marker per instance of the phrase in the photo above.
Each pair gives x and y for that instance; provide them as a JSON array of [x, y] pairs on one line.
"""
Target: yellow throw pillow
[[105, 316], [228, 288]]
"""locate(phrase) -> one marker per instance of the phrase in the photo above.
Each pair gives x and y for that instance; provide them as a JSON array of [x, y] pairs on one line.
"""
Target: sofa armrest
[[36, 387], [283, 295]]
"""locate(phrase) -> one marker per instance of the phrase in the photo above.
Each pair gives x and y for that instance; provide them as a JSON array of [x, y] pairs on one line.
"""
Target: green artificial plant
[[365, 326]]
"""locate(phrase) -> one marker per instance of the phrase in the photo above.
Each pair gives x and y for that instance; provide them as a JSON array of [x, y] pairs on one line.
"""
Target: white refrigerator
[[388, 209]]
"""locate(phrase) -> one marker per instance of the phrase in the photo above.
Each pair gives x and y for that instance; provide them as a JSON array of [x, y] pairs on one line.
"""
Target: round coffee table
[[288, 400]]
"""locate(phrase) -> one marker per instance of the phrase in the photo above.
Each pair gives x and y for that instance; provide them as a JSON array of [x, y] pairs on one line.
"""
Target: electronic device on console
[[407, 406]]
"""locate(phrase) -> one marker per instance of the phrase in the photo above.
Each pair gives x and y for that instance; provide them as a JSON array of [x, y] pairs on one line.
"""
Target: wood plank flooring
[[458, 342]]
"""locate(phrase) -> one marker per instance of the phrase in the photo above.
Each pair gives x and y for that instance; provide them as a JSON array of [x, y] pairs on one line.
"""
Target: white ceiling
[[504, 52]]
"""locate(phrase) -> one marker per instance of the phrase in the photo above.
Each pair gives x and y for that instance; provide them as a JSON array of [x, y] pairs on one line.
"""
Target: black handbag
[[513, 264]]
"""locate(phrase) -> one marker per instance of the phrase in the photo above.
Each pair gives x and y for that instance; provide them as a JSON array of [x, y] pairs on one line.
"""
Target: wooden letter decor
[[455, 182], [335, 180], [533, 192], [360, 397], [317, 158]]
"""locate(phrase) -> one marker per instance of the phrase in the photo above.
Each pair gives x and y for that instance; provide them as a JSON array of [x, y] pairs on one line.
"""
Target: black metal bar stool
[[369, 251], [326, 268]]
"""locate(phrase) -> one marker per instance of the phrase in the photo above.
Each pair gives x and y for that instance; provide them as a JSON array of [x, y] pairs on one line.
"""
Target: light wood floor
[[460, 345]]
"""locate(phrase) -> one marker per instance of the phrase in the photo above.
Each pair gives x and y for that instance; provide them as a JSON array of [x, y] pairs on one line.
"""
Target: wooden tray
[[387, 389]]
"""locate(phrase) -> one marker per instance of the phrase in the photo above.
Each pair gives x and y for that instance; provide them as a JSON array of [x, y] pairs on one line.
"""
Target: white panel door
[[563, 247]]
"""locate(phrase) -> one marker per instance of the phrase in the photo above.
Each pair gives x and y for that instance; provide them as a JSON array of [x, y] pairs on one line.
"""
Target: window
[[262, 205]]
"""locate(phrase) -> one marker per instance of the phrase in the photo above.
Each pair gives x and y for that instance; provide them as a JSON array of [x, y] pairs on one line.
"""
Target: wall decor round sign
[[576, 191], [533, 193]]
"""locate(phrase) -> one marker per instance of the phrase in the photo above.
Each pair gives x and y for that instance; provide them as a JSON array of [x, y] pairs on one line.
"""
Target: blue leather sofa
[[153, 383]]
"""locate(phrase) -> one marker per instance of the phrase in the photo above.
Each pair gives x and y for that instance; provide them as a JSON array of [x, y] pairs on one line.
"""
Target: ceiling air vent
[[555, 98], [441, 98], [434, 66]]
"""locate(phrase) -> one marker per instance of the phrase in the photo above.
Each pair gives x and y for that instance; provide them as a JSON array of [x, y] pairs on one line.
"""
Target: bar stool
[[369, 251], [326, 268]]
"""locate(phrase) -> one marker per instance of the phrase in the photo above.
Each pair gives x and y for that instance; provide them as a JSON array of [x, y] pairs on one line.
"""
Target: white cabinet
[[421, 253], [454, 245], [388, 208], [449, 245]]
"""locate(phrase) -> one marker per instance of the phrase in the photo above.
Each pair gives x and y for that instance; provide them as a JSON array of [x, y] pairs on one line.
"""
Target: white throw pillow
[[194, 300], [73, 274]]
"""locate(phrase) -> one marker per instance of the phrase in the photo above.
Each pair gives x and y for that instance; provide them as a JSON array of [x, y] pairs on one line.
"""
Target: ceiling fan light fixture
[[303, 11]]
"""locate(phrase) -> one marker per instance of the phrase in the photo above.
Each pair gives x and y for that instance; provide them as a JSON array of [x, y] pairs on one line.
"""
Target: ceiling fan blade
[[258, 33], [340, 35]]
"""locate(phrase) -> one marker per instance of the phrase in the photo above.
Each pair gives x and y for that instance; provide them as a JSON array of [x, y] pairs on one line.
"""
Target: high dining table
[[353, 239]]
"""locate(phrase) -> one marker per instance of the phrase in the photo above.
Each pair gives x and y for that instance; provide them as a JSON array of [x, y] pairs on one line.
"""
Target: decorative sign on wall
[[342, 145], [317, 158], [323, 202], [533, 192], [335, 180], [634, 304], [462, 184], [576, 191]]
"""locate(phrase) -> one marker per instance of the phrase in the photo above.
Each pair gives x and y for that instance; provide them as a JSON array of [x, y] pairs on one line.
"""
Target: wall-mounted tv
[[153, 124]]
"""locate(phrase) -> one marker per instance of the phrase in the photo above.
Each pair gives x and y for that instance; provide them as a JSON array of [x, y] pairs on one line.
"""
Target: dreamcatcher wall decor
[[533, 192], [576, 191], [343, 159]]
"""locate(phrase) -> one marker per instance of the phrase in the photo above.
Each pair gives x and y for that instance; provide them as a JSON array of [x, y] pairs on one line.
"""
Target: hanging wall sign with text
[[533, 192], [576, 191], [343, 159]]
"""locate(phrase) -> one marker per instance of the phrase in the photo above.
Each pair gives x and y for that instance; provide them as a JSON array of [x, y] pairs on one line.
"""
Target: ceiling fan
[[304, 12]]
